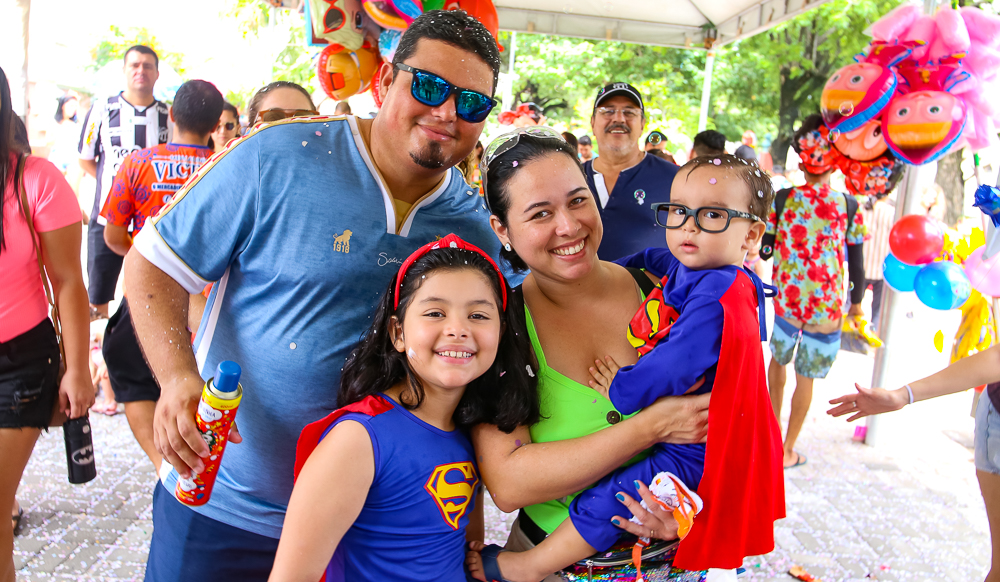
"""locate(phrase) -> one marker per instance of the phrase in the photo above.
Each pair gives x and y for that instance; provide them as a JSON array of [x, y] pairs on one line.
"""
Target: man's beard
[[430, 157]]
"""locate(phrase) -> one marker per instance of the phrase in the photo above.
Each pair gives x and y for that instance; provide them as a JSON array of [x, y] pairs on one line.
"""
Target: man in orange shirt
[[145, 183]]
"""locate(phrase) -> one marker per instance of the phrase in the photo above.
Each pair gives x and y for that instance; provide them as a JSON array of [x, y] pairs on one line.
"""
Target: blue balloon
[[942, 285], [898, 274]]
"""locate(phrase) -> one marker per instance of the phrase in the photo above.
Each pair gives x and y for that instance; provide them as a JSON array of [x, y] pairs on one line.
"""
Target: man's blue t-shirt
[[412, 526], [629, 223], [299, 233]]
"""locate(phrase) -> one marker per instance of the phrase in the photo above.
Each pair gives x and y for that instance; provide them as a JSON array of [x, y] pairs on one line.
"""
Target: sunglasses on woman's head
[[277, 114], [505, 142], [432, 90]]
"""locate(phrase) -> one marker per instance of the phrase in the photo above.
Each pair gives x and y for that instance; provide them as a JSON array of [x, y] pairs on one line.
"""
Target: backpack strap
[[767, 241], [645, 284]]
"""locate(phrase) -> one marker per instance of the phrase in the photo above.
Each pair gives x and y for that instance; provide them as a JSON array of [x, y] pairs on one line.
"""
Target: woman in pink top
[[29, 354]]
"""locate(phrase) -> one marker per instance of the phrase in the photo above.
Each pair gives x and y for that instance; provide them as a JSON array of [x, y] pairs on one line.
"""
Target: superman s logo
[[651, 323], [452, 486]]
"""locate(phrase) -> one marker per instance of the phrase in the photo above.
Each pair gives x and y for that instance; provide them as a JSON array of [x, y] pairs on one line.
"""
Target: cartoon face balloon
[[922, 126], [337, 22], [857, 93], [862, 144], [343, 73]]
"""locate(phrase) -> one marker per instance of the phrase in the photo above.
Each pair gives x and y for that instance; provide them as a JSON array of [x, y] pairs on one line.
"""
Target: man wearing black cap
[[624, 179]]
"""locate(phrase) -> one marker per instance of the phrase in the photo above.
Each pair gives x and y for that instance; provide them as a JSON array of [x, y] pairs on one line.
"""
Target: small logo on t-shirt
[[640, 196], [342, 242], [452, 487]]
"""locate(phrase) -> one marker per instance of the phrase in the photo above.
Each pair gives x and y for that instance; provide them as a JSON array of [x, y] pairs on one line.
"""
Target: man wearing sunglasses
[[624, 179], [301, 225]]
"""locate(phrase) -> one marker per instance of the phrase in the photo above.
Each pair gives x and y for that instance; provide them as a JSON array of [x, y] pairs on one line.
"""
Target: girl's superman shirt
[[704, 324]]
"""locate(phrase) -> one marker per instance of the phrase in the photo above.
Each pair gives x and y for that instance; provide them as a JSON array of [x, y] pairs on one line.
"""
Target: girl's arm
[[326, 500], [978, 369], [518, 472], [61, 255]]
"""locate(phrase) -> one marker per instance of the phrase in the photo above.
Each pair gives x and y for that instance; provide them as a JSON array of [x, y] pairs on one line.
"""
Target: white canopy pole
[[907, 200], [706, 88], [508, 88]]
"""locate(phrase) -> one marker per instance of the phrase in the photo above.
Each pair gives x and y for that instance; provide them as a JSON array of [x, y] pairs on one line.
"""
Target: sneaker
[[674, 496]]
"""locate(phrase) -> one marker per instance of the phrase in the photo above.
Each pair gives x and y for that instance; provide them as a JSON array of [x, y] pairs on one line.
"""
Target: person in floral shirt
[[807, 241]]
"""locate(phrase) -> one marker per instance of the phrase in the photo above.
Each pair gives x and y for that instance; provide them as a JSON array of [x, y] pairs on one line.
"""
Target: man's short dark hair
[[456, 28], [709, 143], [197, 107], [584, 140], [143, 50]]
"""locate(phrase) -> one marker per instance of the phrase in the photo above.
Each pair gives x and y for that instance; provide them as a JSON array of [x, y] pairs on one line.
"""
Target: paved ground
[[909, 509]]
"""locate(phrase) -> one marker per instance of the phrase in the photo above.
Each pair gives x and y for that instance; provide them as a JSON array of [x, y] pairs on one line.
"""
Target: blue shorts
[[814, 352], [189, 547], [987, 436]]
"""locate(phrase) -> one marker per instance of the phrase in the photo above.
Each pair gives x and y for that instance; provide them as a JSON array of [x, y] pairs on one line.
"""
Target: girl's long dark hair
[[6, 147], [505, 395]]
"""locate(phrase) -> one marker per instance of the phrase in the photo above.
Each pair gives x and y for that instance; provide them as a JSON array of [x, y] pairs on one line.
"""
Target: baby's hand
[[603, 373]]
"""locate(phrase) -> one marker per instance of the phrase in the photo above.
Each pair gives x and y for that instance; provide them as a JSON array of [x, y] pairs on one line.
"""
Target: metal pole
[[508, 90], [706, 91]]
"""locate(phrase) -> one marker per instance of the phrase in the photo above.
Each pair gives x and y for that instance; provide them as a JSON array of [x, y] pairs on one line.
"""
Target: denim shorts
[[987, 436], [29, 378], [814, 352]]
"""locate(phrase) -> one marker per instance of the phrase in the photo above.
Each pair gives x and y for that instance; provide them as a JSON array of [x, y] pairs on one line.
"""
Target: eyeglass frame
[[491, 152], [604, 109], [693, 213], [453, 89]]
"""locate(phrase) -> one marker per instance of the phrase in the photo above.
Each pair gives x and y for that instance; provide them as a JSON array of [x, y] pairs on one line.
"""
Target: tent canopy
[[672, 23]]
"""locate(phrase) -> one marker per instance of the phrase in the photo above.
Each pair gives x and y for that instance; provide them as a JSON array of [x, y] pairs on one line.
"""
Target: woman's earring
[[506, 247]]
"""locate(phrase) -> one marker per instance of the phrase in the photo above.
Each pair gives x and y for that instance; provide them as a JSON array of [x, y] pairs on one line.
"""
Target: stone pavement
[[909, 509]]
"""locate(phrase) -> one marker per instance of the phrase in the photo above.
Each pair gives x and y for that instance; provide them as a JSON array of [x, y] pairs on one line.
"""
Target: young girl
[[388, 485]]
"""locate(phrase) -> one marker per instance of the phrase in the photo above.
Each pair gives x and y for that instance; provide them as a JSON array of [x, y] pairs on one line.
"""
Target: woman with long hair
[[30, 388]]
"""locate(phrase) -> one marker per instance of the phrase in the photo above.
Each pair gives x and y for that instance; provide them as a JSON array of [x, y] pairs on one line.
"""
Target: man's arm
[[117, 238], [90, 167], [159, 315]]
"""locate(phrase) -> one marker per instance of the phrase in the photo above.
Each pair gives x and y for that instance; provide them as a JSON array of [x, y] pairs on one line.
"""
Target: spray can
[[216, 411], [79, 450]]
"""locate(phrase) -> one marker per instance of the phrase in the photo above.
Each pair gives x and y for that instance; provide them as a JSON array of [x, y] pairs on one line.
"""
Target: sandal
[[490, 565], [16, 520]]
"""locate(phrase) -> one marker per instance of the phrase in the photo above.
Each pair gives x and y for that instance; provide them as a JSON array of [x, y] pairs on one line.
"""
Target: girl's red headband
[[450, 241]]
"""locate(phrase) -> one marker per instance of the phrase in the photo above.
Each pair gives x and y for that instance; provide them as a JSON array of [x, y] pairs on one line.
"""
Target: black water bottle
[[79, 450]]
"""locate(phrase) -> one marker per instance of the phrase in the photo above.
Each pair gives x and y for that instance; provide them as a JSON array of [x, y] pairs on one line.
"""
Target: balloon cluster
[[942, 266], [929, 83], [359, 34]]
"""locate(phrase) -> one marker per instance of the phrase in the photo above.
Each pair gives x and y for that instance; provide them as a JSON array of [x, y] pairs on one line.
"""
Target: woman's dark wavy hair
[[503, 168], [505, 395], [60, 103]]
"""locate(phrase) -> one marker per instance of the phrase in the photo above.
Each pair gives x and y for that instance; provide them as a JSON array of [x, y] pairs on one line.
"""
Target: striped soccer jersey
[[112, 130]]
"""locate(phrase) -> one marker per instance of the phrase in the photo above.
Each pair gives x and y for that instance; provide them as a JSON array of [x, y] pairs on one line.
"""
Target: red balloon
[[916, 239]]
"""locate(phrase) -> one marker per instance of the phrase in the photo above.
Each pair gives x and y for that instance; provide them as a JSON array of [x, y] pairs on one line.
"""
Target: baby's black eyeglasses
[[712, 219]]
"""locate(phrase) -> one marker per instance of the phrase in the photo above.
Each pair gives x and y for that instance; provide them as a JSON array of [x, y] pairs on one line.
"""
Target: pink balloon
[[952, 31], [984, 275], [982, 27], [924, 29], [892, 26]]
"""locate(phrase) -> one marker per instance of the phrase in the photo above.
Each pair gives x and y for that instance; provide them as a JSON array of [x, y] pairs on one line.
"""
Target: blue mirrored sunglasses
[[432, 90]]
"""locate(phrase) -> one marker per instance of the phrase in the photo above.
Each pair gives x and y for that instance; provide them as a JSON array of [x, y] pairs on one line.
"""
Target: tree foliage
[[113, 46]]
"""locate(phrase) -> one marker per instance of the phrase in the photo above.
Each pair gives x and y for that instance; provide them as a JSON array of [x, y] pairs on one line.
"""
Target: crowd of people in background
[[218, 227]]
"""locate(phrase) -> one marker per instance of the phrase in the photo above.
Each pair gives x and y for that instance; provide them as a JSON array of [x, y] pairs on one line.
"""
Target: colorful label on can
[[215, 419]]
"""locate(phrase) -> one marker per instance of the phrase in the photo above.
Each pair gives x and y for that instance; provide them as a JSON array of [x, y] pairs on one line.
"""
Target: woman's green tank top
[[569, 410]]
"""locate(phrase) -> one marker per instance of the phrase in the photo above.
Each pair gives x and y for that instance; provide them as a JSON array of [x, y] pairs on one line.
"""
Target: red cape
[[311, 434], [743, 485]]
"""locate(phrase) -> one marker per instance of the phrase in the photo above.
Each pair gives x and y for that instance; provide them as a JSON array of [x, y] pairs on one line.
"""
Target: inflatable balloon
[[343, 73], [898, 274], [862, 144], [384, 15], [984, 275], [923, 124], [481, 10], [388, 42], [335, 22], [857, 93], [916, 239], [942, 286]]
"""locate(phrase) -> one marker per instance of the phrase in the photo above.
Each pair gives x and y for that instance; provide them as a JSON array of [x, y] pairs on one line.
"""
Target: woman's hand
[[603, 374], [657, 522], [869, 401], [681, 420], [76, 394]]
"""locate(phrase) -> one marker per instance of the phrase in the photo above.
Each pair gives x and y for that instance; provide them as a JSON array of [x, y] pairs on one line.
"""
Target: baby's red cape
[[743, 485]]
